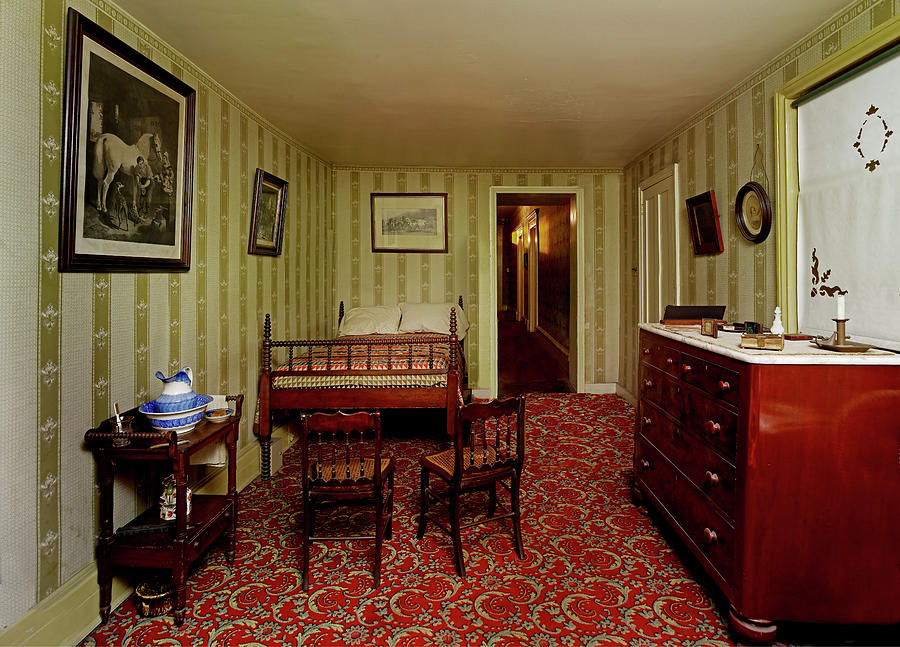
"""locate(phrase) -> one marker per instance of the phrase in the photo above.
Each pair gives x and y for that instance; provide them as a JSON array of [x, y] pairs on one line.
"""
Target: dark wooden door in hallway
[[528, 362]]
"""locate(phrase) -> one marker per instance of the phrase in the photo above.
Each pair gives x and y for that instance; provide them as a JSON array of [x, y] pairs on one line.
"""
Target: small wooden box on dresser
[[779, 471]]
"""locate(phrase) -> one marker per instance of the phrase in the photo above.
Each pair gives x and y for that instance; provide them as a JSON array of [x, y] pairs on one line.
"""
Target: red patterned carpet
[[597, 572]]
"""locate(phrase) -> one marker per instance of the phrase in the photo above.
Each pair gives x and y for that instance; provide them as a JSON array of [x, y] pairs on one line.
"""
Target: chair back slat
[[341, 449], [489, 436]]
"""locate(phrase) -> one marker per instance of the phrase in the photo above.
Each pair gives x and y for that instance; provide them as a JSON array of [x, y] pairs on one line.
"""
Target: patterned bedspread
[[364, 365]]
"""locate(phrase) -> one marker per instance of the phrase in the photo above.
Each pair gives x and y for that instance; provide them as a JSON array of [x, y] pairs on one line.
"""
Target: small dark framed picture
[[703, 219], [709, 327], [267, 214]]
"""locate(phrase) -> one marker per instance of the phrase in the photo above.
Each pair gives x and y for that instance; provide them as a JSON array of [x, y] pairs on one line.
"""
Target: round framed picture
[[753, 212]]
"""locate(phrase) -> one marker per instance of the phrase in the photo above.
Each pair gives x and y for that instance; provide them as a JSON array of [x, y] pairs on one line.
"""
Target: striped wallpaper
[[92, 340], [715, 150], [77, 343], [366, 278]]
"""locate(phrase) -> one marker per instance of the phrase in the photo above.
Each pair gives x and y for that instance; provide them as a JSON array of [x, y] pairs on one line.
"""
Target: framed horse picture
[[128, 158]]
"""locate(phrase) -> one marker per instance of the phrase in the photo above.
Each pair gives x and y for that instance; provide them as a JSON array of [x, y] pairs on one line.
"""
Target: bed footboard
[[355, 373]]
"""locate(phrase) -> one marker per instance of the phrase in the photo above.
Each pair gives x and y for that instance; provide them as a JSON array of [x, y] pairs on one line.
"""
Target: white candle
[[840, 306]]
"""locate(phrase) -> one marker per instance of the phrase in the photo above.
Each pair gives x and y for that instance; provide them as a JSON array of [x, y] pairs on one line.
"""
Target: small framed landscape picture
[[267, 215], [409, 222], [709, 327]]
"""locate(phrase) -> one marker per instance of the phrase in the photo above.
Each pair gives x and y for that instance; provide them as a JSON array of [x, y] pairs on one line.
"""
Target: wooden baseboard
[[71, 612], [600, 388], [68, 614], [625, 393], [562, 349]]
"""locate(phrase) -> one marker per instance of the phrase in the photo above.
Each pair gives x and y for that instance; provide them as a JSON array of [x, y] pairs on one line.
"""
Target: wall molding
[[793, 53], [150, 38], [612, 170]]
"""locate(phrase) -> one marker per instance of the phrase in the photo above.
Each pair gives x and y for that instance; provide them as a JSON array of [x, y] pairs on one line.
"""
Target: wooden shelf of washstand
[[146, 541]]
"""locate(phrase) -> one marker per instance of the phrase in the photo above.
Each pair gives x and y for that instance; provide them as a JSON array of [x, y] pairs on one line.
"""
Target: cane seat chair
[[488, 449], [343, 466]]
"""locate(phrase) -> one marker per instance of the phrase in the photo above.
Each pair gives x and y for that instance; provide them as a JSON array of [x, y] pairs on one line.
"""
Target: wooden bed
[[403, 371]]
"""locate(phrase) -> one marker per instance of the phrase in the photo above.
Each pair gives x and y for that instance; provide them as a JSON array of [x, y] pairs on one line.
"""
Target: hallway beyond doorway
[[528, 362]]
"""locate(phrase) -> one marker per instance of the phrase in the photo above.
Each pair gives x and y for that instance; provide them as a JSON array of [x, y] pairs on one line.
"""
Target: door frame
[[646, 183], [520, 273], [531, 226], [576, 342]]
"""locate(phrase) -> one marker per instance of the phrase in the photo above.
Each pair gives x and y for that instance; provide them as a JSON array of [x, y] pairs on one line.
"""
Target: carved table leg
[[756, 630], [266, 447], [104, 572]]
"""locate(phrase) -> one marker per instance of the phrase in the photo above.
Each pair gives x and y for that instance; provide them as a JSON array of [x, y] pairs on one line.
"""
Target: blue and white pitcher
[[177, 394]]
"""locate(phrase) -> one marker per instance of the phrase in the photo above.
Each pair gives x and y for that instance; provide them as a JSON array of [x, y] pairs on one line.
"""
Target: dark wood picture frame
[[267, 214], [409, 222], [753, 212], [703, 219], [127, 158]]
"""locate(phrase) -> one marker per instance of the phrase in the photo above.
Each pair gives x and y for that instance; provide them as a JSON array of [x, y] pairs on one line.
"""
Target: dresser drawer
[[661, 355], [661, 389], [711, 535], [710, 420], [718, 381], [704, 467]]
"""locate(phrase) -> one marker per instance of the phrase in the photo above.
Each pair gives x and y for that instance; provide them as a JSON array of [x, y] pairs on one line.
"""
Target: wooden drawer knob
[[724, 386], [713, 427], [648, 383], [686, 369], [647, 421], [710, 535], [646, 351], [645, 464], [712, 478], [669, 361]]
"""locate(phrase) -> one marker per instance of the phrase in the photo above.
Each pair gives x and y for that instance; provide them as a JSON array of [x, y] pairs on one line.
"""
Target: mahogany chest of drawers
[[781, 478]]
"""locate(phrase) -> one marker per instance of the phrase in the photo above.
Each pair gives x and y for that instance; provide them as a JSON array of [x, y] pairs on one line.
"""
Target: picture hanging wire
[[758, 172]]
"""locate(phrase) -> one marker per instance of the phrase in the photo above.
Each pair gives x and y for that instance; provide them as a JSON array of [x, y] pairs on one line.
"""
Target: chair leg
[[379, 531], [517, 514], [455, 532], [492, 500], [423, 503], [307, 531], [390, 508]]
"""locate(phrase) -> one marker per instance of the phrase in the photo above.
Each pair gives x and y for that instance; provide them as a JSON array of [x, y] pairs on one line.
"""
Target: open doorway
[[534, 306]]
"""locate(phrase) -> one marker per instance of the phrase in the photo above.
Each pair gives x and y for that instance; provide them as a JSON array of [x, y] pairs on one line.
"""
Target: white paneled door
[[658, 244]]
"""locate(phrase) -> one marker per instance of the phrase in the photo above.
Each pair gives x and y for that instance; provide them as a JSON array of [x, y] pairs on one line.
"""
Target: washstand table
[[146, 541]]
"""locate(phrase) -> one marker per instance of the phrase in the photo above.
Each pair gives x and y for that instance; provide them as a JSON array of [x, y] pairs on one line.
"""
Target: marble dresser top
[[795, 352]]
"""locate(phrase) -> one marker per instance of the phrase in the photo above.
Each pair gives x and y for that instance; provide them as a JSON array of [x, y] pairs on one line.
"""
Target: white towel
[[215, 454]]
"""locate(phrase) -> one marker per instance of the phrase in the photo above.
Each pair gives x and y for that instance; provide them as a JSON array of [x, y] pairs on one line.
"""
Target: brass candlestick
[[840, 336]]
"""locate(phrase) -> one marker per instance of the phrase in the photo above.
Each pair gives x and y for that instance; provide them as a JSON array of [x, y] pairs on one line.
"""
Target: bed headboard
[[341, 310]]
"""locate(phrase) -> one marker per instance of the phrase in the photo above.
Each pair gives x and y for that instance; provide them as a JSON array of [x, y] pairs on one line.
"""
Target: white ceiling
[[480, 82]]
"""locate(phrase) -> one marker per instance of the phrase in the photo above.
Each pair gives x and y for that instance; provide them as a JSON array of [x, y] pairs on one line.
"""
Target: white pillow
[[370, 320], [432, 317]]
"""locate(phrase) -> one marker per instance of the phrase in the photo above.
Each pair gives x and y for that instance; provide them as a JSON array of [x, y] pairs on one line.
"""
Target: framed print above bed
[[128, 158], [267, 215], [409, 222]]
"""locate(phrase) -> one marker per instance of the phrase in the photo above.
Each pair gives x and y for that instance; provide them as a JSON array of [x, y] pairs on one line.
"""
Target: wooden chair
[[488, 448], [340, 455]]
